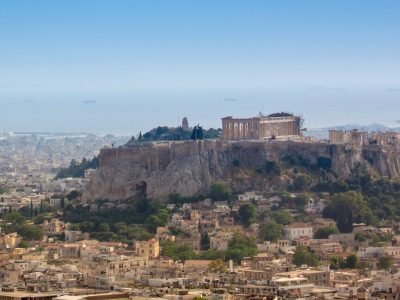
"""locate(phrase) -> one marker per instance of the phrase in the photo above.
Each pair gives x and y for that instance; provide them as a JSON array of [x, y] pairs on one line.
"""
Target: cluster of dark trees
[[197, 133], [77, 169], [164, 133], [218, 192], [14, 221], [364, 199], [135, 221], [240, 246]]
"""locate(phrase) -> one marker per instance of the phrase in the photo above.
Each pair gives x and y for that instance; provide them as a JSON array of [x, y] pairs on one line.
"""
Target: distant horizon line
[[126, 134]]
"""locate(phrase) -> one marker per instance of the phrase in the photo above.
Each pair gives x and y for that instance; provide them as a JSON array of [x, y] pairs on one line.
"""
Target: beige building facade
[[10, 240], [261, 127], [150, 248], [298, 230]]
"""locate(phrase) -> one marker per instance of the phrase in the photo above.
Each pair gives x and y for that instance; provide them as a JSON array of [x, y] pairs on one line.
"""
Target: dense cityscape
[[199, 150], [294, 236]]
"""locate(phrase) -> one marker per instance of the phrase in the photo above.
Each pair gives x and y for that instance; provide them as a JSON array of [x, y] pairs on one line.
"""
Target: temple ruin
[[278, 125]]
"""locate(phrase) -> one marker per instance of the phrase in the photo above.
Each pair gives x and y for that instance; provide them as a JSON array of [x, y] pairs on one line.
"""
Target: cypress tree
[[31, 209]]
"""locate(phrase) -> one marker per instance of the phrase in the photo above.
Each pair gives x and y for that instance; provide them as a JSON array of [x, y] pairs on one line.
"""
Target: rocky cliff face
[[190, 167]]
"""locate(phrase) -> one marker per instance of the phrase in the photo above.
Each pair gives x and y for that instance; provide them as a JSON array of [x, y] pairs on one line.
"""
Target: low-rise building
[[315, 276], [220, 240], [150, 248], [53, 227], [297, 230], [370, 252], [10, 240], [249, 196], [72, 236]]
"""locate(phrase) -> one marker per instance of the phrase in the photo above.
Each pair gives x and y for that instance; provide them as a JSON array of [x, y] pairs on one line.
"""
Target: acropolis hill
[[190, 167]]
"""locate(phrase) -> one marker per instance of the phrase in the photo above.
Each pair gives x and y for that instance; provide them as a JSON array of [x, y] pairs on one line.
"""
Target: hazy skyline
[[124, 66]]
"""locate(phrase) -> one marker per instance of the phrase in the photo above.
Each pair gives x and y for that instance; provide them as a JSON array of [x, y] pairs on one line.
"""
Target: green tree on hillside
[[217, 266], [282, 217], [77, 169], [301, 183], [220, 192], [14, 217], [302, 256], [325, 232], [351, 261], [204, 241], [247, 214], [348, 208], [337, 262], [270, 231], [385, 263], [271, 167], [240, 246], [177, 252]]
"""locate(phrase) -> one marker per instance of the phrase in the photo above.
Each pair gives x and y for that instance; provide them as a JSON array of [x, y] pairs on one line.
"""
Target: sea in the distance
[[129, 114]]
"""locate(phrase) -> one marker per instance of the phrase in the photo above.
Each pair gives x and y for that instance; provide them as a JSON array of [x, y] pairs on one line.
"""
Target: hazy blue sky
[[124, 66]]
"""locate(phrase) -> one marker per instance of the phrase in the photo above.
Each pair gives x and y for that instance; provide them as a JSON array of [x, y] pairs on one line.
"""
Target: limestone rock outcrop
[[191, 167]]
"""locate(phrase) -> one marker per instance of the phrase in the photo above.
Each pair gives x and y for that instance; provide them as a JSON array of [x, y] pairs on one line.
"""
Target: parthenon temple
[[276, 125]]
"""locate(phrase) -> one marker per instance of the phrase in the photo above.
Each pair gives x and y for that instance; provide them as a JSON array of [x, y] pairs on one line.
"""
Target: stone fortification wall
[[157, 156], [354, 137], [385, 138], [361, 138]]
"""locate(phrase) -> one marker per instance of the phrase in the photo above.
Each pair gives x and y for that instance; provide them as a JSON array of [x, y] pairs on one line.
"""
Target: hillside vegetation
[[77, 169]]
